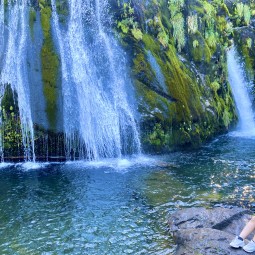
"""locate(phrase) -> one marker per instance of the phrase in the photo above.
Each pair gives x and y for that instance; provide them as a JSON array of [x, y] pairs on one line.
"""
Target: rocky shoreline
[[201, 231]]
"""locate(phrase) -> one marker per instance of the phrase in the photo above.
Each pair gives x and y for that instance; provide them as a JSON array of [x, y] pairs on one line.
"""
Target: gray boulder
[[203, 231]]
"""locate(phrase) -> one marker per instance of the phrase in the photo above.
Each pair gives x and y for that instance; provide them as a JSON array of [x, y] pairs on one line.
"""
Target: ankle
[[240, 238]]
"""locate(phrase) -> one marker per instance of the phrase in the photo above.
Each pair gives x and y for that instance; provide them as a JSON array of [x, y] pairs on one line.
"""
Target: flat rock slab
[[205, 241], [201, 231]]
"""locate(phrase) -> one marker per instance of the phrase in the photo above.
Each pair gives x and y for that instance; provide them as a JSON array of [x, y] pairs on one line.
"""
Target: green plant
[[192, 24], [211, 39], [209, 15], [249, 43], [10, 129], [246, 14], [229, 28], [175, 6], [209, 9], [215, 86], [158, 138], [239, 10], [137, 33], [195, 43], [128, 24], [178, 30], [226, 118], [163, 38]]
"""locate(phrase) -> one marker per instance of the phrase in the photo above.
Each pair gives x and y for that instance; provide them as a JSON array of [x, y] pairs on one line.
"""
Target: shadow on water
[[117, 206]]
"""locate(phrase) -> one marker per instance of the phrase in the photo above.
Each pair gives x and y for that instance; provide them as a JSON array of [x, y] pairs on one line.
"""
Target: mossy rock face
[[245, 41], [50, 66], [11, 128], [197, 104], [244, 38]]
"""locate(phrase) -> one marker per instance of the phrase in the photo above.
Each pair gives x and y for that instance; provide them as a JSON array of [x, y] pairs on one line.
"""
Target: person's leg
[[238, 242], [250, 226], [250, 247]]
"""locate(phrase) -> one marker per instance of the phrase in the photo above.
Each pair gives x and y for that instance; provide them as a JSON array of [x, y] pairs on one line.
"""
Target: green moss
[[200, 53], [182, 114], [183, 137], [45, 21], [197, 53], [226, 10], [137, 33], [50, 65], [244, 40], [215, 86], [158, 139], [127, 22], [226, 118], [32, 20], [11, 128], [150, 43]]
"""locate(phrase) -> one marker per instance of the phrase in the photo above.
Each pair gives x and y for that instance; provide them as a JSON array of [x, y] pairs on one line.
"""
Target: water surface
[[117, 206]]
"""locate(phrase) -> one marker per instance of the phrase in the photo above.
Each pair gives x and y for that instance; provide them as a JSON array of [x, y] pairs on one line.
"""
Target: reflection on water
[[117, 206]]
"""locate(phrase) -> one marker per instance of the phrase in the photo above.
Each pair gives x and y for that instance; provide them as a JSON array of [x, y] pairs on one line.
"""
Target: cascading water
[[98, 119], [14, 70], [1, 27], [1, 56], [239, 87]]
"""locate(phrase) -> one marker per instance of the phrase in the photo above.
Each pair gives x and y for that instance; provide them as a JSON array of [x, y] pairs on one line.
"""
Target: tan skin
[[250, 226]]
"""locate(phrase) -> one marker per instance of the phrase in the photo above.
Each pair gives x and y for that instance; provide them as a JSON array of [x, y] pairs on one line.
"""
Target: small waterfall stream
[[158, 72], [14, 71], [1, 27], [246, 125]]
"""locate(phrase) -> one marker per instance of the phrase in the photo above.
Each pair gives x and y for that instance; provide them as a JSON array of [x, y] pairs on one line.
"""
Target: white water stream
[[98, 119], [240, 90], [14, 71]]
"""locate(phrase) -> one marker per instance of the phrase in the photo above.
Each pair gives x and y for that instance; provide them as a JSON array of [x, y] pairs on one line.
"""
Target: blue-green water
[[117, 206]]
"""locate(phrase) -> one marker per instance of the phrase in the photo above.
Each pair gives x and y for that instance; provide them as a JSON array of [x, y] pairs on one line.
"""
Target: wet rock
[[207, 231]]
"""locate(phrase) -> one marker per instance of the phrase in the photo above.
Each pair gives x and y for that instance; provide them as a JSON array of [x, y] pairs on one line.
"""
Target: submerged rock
[[207, 231]]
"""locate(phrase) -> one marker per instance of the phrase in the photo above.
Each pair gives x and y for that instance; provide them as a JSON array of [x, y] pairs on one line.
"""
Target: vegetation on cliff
[[189, 40]]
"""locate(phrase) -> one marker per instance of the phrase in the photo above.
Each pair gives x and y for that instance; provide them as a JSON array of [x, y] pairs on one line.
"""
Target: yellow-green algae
[[50, 66], [32, 20]]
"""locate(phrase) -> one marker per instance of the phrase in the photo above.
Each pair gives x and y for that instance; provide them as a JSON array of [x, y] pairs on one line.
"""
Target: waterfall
[[1, 55], [14, 70], [1, 27], [239, 85], [98, 118]]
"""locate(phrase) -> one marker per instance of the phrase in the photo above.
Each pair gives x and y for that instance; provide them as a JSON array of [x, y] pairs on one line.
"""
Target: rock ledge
[[201, 231]]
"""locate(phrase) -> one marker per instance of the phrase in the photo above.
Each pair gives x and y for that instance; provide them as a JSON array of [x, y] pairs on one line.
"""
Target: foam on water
[[5, 165], [117, 164], [27, 166], [248, 135]]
